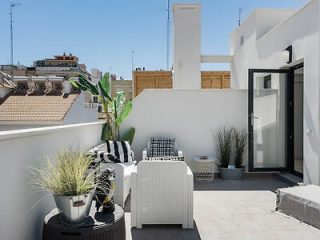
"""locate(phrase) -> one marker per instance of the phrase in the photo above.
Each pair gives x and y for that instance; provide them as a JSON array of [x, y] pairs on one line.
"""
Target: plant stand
[[99, 226], [203, 169]]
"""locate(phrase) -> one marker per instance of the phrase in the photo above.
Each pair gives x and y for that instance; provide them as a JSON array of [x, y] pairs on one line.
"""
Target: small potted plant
[[224, 149], [71, 182], [231, 142], [240, 145]]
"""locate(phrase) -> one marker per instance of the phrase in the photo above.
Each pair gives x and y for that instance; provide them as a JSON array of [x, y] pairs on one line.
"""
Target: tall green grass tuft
[[68, 176], [224, 139], [240, 145]]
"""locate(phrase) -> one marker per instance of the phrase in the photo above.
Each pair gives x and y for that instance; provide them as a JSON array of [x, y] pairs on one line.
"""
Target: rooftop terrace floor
[[230, 210]]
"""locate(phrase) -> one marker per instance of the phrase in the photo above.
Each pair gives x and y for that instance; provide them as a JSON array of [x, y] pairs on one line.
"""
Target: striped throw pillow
[[120, 150], [100, 154]]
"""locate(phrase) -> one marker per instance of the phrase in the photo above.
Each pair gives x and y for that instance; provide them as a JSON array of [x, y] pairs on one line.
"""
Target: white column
[[187, 46]]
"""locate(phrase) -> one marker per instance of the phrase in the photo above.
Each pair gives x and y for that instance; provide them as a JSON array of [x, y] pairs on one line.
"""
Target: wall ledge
[[20, 133]]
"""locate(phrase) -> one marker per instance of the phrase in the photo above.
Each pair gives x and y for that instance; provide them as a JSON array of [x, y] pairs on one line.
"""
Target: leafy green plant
[[120, 108], [240, 145], [224, 138], [129, 135], [68, 176]]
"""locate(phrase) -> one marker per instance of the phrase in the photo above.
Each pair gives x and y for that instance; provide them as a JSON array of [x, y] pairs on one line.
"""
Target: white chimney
[[187, 46]]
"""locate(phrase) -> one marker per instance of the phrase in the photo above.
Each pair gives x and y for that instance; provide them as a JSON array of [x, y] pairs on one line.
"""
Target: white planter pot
[[74, 209]]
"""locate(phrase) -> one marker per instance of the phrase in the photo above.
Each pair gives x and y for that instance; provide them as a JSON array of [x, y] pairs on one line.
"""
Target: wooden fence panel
[[163, 79]]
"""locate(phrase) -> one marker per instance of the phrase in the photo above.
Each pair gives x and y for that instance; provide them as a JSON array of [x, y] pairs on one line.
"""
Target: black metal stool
[[99, 226]]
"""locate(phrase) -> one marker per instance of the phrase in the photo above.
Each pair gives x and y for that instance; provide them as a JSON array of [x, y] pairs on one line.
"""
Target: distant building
[[17, 70], [61, 65], [122, 85], [96, 75]]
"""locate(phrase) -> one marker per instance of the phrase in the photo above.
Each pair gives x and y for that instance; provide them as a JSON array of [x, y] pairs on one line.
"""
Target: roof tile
[[36, 108]]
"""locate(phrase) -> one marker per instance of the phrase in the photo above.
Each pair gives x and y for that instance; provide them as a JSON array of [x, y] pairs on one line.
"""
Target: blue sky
[[104, 32]]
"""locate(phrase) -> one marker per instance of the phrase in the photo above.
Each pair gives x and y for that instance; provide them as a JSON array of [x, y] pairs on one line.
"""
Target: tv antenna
[[132, 60], [239, 15], [12, 6]]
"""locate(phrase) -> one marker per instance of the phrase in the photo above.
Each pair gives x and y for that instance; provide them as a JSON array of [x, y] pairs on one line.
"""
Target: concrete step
[[301, 202], [290, 178]]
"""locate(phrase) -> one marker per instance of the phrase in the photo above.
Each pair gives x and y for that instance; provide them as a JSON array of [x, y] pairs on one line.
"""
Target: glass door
[[268, 128], [297, 73]]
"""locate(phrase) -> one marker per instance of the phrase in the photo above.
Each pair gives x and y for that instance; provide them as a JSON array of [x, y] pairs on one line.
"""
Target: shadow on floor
[[165, 232], [248, 183]]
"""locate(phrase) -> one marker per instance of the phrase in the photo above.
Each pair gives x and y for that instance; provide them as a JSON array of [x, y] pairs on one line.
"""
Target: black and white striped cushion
[[100, 154], [113, 151], [120, 150]]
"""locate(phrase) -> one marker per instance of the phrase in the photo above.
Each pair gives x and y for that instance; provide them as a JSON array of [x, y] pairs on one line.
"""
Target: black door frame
[[290, 120], [289, 125]]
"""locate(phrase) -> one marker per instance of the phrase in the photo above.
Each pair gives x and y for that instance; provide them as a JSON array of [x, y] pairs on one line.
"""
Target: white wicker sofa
[[162, 193], [122, 176]]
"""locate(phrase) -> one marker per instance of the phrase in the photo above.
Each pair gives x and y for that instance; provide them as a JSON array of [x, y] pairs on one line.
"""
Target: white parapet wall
[[191, 116], [78, 113], [22, 207]]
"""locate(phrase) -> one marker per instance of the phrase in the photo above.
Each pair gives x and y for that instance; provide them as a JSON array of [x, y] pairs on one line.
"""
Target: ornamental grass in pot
[[71, 182], [231, 142]]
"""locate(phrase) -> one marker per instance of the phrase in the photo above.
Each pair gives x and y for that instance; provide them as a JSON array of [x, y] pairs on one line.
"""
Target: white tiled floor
[[233, 210]]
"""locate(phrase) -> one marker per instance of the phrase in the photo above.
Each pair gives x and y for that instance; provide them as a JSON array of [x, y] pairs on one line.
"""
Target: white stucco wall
[[187, 46], [301, 30], [22, 207], [79, 114], [258, 23], [191, 116]]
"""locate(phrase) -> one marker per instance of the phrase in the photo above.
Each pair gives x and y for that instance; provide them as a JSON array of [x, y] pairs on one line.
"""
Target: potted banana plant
[[115, 110]]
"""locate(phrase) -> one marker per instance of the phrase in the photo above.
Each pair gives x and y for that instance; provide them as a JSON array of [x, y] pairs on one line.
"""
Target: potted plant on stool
[[71, 182]]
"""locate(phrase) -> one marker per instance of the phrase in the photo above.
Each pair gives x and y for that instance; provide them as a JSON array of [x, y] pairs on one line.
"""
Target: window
[[267, 82], [95, 99], [40, 86], [57, 86], [22, 86]]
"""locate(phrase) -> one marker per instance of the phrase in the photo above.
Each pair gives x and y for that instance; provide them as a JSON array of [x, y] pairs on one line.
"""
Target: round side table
[[99, 226], [203, 169]]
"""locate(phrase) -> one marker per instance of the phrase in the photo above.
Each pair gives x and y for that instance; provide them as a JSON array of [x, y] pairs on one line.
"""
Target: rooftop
[[36, 108]]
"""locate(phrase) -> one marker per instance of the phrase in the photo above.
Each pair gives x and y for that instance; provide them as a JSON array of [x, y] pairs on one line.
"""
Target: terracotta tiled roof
[[36, 108]]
